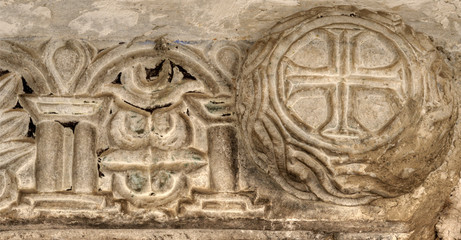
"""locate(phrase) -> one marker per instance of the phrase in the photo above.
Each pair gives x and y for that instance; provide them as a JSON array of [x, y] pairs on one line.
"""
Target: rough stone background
[[194, 20], [202, 19], [449, 226]]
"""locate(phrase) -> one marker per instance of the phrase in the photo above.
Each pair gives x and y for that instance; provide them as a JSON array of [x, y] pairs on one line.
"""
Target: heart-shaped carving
[[228, 58], [67, 60]]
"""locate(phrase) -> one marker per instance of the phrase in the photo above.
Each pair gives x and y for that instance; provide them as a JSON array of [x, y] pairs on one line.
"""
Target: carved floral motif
[[335, 107], [126, 125], [17, 147]]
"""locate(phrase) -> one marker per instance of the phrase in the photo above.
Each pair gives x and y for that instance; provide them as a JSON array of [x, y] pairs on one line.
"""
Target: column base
[[50, 202], [222, 205]]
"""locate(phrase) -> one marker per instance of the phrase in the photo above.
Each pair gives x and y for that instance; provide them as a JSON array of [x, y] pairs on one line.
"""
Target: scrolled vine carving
[[343, 105]]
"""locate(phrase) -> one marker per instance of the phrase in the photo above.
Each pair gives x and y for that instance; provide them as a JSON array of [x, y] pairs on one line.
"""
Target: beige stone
[[331, 122]]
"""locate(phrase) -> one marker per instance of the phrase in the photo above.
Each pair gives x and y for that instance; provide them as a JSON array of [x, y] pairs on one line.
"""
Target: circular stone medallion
[[332, 89]]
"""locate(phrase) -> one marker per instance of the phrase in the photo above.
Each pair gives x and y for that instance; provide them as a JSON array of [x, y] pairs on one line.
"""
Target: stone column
[[66, 142], [49, 156], [222, 148], [85, 171]]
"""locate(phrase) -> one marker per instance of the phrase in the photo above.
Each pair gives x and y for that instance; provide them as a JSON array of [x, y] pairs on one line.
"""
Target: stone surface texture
[[244, 119]]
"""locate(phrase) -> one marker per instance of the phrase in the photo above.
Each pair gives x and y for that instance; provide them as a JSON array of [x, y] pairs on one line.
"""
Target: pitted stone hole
[[101, 151], [25, 87], [31, 129], [118, 79], [3, 72], [100, 174], [154, 72], [18, 106], [70, 125], [186, 74]]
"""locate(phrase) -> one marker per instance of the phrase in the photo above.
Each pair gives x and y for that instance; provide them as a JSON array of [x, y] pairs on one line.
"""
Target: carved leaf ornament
[[17, 148], [125, 121], [338, 105]]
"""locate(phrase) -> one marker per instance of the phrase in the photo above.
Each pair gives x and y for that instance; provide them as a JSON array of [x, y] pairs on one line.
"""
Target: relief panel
[[337, 117], [144, 126]]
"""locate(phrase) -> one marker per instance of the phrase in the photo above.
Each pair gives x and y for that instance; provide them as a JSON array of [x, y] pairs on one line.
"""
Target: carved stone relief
[[339, 124], [330, 104]]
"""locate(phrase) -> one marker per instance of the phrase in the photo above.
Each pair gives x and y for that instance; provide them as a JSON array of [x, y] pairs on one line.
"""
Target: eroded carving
[[330, 104], [348, 113], [67, 61], [17, 145], [138, 127]]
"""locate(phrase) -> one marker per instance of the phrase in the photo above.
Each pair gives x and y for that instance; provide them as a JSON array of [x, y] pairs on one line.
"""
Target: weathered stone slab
[[339, 123], [187, 234]]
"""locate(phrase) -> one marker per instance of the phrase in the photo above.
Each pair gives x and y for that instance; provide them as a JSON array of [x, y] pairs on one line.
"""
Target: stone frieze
[[339, 124]]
